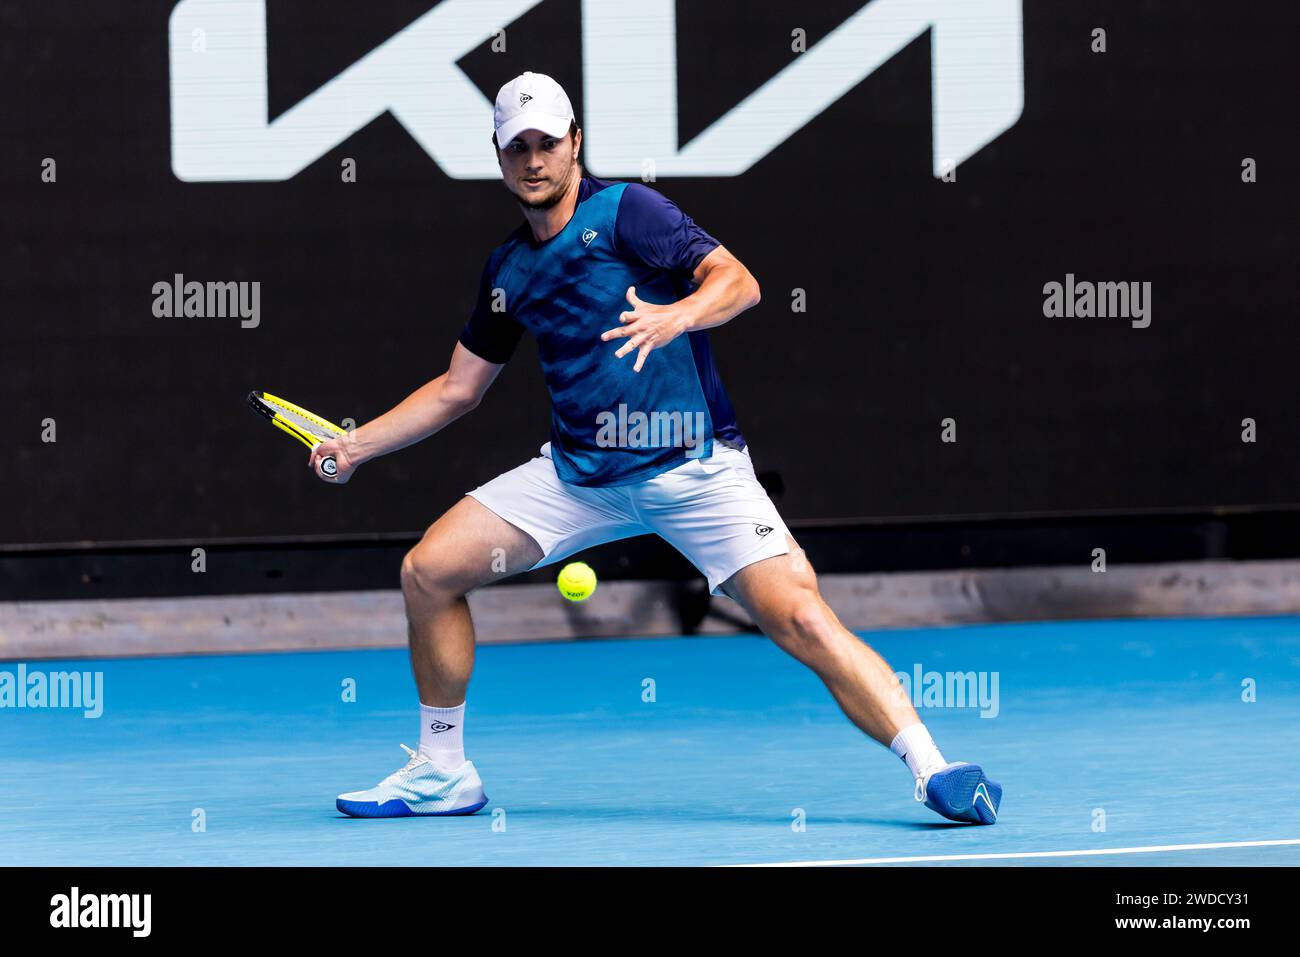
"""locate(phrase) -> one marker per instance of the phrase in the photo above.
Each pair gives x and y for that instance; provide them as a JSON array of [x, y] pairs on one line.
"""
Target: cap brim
[[547, 123]]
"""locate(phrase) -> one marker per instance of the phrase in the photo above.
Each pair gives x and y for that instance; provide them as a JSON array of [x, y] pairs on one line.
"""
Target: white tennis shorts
[[711, 510]]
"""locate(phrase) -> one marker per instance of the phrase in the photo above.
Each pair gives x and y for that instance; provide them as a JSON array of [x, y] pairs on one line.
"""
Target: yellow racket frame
[[285, 425]]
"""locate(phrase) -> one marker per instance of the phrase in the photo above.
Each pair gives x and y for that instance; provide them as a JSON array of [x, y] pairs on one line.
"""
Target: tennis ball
[[577, 581]]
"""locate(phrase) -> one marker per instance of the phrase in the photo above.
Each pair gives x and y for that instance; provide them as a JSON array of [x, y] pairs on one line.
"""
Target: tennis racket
[[307, 427]]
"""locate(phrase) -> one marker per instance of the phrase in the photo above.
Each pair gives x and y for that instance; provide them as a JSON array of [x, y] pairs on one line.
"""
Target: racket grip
[[329, 466]]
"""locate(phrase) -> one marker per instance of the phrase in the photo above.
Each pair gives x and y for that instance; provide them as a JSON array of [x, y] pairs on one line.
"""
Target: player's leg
[[715, 512], [781, 595], [524, 518], [467, 547]]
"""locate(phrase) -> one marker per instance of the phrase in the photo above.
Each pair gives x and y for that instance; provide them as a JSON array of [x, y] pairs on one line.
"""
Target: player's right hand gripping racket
[[308, 428]]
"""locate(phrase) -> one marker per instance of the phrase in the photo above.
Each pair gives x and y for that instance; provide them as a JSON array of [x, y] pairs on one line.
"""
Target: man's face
[[538, 168]]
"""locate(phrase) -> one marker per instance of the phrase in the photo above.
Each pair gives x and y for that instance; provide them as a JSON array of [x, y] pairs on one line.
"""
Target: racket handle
[[329, 466]]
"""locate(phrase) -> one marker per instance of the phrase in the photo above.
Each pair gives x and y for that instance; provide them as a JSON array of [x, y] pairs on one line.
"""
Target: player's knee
[[809, 621], [423, 574], [802, 624]]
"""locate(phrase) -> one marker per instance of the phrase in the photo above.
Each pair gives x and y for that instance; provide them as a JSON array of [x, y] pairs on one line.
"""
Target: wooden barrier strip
[[532, 612]]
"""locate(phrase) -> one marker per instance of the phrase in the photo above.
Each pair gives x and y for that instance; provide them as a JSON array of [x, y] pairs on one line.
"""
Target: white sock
[[915, 746], [442, 735]]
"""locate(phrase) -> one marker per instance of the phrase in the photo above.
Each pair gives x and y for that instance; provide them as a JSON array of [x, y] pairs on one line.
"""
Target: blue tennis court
[[1137, 725]]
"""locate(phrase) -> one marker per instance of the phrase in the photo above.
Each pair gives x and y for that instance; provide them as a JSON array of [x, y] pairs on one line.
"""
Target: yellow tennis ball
[[577, 581]]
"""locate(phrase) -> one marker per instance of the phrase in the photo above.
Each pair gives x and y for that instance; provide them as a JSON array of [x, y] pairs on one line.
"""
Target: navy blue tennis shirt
[[609, 425]]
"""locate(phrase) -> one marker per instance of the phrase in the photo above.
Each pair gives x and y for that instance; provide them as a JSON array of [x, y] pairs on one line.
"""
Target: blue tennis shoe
[[420, 789], [961, 792]]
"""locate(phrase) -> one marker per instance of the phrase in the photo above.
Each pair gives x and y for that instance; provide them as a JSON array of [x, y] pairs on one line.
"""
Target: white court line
[[1023, 855]]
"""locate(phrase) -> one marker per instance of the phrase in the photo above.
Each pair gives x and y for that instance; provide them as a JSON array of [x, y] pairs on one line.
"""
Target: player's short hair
[[573, 132]]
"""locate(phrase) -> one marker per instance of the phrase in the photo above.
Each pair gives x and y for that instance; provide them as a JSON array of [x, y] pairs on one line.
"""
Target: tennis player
[[618, 287]]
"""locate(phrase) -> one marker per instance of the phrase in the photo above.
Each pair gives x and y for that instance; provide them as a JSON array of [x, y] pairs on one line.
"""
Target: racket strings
[[302, 419], [305, 438]]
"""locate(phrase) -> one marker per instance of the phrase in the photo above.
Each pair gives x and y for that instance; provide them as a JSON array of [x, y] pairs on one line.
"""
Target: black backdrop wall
[[924, 297]]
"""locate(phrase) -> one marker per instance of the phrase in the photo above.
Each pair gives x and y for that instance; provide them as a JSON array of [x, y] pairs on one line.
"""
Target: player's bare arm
[[726, 289], [428, 409]]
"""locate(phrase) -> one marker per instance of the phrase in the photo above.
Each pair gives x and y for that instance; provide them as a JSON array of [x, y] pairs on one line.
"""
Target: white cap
[[532, 101]]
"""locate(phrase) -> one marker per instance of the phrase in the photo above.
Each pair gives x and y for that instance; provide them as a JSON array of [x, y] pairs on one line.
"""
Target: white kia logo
[[219, 99]]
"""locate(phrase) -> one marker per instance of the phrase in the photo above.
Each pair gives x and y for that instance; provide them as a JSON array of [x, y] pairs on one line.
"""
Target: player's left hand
[[646, 327]]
